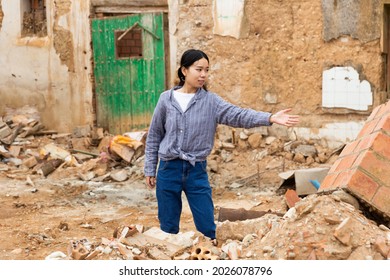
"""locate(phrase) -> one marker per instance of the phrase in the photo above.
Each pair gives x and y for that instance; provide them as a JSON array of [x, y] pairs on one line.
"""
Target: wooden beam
[[130, 3], [130, 10]]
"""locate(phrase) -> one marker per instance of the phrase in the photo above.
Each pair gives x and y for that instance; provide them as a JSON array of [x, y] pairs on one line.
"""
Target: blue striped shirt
[[189, 135]]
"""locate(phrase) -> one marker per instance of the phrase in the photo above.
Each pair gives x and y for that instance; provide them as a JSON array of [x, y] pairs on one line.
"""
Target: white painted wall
[[342, 88], [31, 71], [334, 134]]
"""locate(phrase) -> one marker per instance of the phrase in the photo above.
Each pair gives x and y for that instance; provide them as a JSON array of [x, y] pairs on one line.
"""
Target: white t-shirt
[[183, 99]]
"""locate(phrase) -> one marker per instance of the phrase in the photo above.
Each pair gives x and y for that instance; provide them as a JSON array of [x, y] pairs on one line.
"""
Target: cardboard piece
[[302, 179]]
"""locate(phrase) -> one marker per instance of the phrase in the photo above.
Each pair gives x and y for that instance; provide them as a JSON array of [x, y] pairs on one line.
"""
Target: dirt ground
[[88, 200], [39, 219]]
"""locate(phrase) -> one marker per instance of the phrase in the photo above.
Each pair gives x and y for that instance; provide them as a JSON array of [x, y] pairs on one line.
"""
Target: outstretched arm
[[282, 117]]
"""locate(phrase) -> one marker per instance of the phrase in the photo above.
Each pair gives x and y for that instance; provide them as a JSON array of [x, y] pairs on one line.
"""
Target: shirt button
[[181, 131]]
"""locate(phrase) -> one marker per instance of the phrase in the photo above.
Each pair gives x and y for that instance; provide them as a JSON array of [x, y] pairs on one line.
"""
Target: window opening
[[34, 18], [128, 43]]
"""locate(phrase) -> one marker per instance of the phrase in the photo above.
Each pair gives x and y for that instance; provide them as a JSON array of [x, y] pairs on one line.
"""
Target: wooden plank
[[127, 89], [99, 56], [131, 10], [130, 3]]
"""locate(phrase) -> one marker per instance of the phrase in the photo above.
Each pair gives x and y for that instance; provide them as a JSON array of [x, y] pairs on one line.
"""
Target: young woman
[[181, 136]]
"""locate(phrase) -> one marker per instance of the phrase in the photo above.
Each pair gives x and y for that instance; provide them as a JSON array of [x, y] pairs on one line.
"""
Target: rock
[[270, 139], [58, 255], [347, 198], [184, 240], [254, 140], [299, 158], [233, 250], [248, 239], [274, 163], [381, 246], [243, 135], [306, 150], [213, 165], [119, 175], [17, 251], [343, 232], [81, 131]]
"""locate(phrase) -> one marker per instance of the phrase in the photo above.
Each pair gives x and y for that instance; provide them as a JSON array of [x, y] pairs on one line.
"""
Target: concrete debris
[[58, 255], [281, 223], [119, 175], [322, 228], [124, 231]]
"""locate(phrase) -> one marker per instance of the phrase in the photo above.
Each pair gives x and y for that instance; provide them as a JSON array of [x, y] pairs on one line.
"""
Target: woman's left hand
[[285, 119]]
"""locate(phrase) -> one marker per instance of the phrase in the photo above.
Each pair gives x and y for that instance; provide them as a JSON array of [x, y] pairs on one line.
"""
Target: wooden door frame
[[131, 8], [385, 47]]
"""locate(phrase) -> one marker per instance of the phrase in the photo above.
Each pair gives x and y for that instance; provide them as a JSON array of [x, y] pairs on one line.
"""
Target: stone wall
[[280, 61]]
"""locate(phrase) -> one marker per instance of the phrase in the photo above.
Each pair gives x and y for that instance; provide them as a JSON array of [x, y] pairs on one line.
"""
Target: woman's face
[[196, 74]]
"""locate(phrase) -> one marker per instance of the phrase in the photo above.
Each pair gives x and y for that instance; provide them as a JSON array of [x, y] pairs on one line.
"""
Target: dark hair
[[187, 59]]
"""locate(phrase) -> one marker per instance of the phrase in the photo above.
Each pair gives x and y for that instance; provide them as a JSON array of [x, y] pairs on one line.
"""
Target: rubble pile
[[318, 227], [281, 220], [323, 227], [88, 154]]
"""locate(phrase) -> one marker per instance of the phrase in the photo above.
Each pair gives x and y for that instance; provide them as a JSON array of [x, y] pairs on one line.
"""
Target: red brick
[[291, 197], [384, 108], [335, 165], [374, 112], [328, 181], [126, 49], [366, 142], [368, 128], [349, 148], [377, 166], [381, 145], [381, 199], [384, 123], [347, 162], [343, 179], [362, 185], [359, 160]]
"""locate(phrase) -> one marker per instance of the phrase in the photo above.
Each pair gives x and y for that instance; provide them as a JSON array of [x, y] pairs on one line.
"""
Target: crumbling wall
[[52, 72], [359, 19], [1, 15], [280, 63], [63, 42]]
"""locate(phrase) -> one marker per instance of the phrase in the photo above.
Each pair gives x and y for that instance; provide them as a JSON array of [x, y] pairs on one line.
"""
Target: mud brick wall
[[363, 166]]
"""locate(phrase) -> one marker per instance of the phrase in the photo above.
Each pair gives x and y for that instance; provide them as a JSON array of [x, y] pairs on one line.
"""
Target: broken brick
[[343, 231], [30, 162], [291, 198]]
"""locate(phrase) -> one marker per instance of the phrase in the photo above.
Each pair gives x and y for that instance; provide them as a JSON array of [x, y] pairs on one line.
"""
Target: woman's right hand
[[151, 182]]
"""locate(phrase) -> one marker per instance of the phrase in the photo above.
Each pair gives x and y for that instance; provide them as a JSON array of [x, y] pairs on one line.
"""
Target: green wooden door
[[128, 82]]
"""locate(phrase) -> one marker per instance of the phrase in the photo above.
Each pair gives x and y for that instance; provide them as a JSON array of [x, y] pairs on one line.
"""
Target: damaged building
[[326, 60], [93, 68]]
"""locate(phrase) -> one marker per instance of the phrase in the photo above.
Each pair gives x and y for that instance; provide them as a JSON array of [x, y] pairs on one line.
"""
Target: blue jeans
[[175, 176]]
